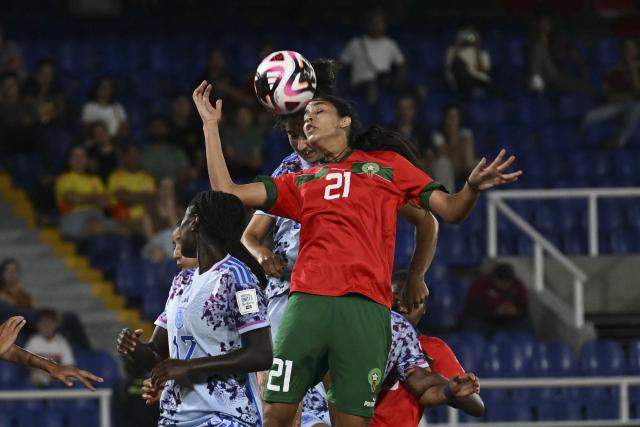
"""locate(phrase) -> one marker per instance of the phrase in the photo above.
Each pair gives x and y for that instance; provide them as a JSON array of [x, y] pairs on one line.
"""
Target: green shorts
[[348, 336]]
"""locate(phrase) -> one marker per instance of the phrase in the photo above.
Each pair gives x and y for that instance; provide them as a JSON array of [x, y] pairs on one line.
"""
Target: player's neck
[[209, 253]]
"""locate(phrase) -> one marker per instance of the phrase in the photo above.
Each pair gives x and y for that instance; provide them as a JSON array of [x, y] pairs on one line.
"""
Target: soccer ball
[[285, 82]]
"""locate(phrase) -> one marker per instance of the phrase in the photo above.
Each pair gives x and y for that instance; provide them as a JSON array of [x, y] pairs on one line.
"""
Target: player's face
[[181, 261], [188, 246], [322, 124], [299, 142]]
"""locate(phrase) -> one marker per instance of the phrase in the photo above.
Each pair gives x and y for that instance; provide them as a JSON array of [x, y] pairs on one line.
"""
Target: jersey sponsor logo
[[374, 378], [247, 301], [370, 404]]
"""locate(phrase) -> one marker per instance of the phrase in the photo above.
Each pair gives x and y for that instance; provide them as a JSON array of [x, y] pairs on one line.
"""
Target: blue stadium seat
[[571, 107], [469, 348], [84, 418], [504, 359], [607, 52], [41, 419], [11, 375], [153, 304], [486, 111], [574, 242], [531, 109], [553, 359], [623, 241], [633, 361], [509, 410], [523, 340], [443, 308], [135, 277], [558, 409], [602, 358], [26, 169], [108, 251], [386, 110], [611, 215]]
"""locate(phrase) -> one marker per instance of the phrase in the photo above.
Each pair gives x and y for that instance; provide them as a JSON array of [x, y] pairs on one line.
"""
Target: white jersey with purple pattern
[[207, 317], [405, 354], [286, 232]]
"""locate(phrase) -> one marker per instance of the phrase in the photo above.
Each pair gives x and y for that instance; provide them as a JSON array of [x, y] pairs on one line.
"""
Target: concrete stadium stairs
[[57, 277]]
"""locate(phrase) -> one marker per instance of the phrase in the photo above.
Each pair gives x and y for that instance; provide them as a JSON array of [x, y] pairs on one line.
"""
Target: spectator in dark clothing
[[467, 64], [10, 57], [162, 158], [185, 131], [242, 145], [405, 123], [497, 301], [622, 87], [20, 128], [46, 93], [225, 85], [103, 153]]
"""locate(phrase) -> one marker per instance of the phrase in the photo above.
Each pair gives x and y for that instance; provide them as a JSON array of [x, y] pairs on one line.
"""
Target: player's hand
[[464, 385], [65, 374], [151, 394], [208, 113], [273, 264], [9, 332], [484, 177], [127, 340], [169, 369], [414, 294]]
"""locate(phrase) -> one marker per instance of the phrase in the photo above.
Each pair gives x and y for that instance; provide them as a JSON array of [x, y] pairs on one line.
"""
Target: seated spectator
[[497, 301], [160, 157], [11, 290], [103, 154], [48, 343], [81, 199], [46, 93], [405, 123], [20, 129], [467, 65], [375, 60], [10, 57], [102, 107], [242, 144], [551, 58], [622, 88], [185, 131], [452, 144], [225, 85], [164, 215], [133, 191]]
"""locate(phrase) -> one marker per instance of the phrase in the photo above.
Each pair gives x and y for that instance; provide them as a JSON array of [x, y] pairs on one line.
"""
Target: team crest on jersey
[[370, 169], [179, 318], [374, 378]]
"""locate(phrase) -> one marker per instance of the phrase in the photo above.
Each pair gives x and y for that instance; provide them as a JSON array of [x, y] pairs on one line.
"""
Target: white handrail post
[[578, 302], [492, 228], [105, 410], [538, 267], [452, 415], [624, 401], [593, 225]]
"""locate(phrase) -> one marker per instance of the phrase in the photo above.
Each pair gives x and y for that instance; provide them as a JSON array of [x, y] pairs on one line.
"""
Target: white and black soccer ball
[[285, 82]]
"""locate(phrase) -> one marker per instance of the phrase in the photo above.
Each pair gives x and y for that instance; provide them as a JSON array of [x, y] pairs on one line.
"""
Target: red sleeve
[[283, 195], [445, 361], [414, 183]]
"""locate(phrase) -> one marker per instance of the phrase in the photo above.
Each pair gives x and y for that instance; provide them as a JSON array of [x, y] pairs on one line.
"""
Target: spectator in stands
[[10, 56], [164, 215], [405, 123], [556, 66], [497, 301], [102, 107], [160, 157], [622, 88], [226, 86], [467, 65], [81, 199], [185, 131], [48, 343], [20, 129], [11, 290], [102, 150], [452, 154], [46, 93], [133, 192], [243, 145], [375, 60]]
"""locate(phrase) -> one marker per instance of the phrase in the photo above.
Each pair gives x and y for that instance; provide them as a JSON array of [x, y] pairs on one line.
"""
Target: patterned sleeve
[[248, 304], [406, 351], [414, 183], [180, 281]]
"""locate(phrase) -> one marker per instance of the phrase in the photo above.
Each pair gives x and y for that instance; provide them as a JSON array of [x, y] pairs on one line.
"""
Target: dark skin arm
[[145, 355], [255, 355], [428, 388]]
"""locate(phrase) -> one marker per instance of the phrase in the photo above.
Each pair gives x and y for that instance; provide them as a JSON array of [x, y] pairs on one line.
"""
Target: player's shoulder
[[432, 342], [400, 325], [290, 164], [435, 347], [238, 270]]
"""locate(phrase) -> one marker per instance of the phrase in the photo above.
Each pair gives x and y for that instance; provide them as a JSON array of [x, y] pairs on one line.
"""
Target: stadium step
[[622, 327]]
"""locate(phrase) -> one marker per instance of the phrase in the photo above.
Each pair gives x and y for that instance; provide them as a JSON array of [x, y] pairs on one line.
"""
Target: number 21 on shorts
[[340, 181], [276, 372]]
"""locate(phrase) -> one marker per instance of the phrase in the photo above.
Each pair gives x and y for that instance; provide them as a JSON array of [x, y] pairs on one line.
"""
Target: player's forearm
[[456, 207], [159, 342], [219, 176], [252, 243], [426, 238], [240, 361], [23, 357], [146, 355], [472, 405]]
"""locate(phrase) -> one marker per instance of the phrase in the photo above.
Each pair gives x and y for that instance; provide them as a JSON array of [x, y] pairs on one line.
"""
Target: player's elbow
[[263, 360]]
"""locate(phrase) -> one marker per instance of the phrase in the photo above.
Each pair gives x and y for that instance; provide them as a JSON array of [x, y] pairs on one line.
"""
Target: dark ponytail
[[222, 217]]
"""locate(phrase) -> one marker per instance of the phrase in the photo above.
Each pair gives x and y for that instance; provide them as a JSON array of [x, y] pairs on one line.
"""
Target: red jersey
[[348, 211], [397, 407]]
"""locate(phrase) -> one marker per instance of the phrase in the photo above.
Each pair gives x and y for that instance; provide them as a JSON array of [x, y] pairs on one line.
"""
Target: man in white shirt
[[371, 58]]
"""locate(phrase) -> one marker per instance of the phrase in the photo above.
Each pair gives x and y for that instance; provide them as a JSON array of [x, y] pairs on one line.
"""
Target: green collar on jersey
[[341, 158]]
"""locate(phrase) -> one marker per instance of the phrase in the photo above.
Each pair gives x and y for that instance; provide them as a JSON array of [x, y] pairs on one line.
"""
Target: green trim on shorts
[[272, 191], [425, 195]]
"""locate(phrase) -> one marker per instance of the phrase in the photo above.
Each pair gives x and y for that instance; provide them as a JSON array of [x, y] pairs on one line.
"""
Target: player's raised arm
[[455, 208], [252, 195]]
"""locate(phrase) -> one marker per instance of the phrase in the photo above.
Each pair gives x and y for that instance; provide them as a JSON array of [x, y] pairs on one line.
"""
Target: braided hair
[[222, 217]]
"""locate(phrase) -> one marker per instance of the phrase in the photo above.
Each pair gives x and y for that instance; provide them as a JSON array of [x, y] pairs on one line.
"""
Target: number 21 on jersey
[[340, 184]]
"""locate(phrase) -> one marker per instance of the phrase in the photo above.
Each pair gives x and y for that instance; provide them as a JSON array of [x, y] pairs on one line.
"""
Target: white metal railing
[[541, 245], [102, 394], [622, 383]]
